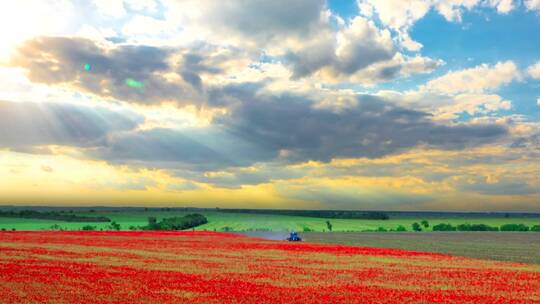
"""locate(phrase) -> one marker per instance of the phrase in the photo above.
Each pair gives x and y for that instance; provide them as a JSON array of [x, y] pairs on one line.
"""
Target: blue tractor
[[294, 237]]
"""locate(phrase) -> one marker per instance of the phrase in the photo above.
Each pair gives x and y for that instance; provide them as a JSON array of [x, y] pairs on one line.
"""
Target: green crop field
[[221, 221]]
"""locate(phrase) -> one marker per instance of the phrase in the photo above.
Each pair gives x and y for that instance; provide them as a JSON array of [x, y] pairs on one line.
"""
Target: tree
[[425, 223], [444, 227], [401, 228], [514, 227], [329, 225], [88, 228], [114, 226], [416, 227], [152, 223], [177, 223]]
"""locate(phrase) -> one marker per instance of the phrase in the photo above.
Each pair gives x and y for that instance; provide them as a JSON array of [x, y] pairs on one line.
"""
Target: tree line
[[335, 214], [52, 215], [484, 227], [176, 223]]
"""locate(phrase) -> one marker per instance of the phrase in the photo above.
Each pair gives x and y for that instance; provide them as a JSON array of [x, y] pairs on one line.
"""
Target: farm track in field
[[209, 267]]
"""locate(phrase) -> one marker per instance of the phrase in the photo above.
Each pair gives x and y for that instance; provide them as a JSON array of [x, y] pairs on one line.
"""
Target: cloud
[[447, 107], [371, 128], [401, 15], [47, 169], [256, 22], [359, 52], [474, 80], [500, 187], [534, 70], [199, 149], [503, 6], [26, 124], [113, 8], [464, 91], [358, 46], [132, 73], [61, 60], [265, 129], [528, 142], [532, 4], [352, 197]]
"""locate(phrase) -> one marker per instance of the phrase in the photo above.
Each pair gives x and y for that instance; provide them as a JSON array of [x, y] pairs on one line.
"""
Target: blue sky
[[396, 104]]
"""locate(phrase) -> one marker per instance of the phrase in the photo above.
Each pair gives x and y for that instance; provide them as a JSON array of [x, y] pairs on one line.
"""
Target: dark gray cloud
[[360, 45], [55, 60], [190, 149], [285, 128], [27, 124], [263, 21], [203, 59], [373, 128], [126, 72], [360, 55]]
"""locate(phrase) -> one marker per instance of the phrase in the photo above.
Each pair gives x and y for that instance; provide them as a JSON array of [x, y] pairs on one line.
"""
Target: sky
[[312, 104]]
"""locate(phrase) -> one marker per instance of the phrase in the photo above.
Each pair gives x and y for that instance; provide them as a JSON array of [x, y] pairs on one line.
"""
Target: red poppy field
[[204, 267]]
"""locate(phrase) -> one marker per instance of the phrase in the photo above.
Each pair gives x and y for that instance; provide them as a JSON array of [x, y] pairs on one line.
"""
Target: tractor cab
[[294, 237]]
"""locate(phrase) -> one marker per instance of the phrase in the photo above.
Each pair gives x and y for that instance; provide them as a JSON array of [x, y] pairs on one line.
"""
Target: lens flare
[[134, 83]]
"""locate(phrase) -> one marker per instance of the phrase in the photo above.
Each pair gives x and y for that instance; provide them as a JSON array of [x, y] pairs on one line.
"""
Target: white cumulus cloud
[[475, 80], [532, 4], [534, 70]]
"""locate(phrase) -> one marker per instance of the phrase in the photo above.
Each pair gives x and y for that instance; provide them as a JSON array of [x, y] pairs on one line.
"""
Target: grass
[[504, 246], [245, 222]]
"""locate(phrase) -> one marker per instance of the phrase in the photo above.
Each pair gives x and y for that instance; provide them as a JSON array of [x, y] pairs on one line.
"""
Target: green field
[[221, 221]]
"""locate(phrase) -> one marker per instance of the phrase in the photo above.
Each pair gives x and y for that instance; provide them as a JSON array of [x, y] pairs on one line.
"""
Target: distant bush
[[307, 229], [3, 229], [89, 228], [381, 229], [476, 227], [401, 228], [535, 228], [425, 223], [114, 226], [444, 227], [56, 227], [514, 227], [416, 227], [133, 228], [226, 229]]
